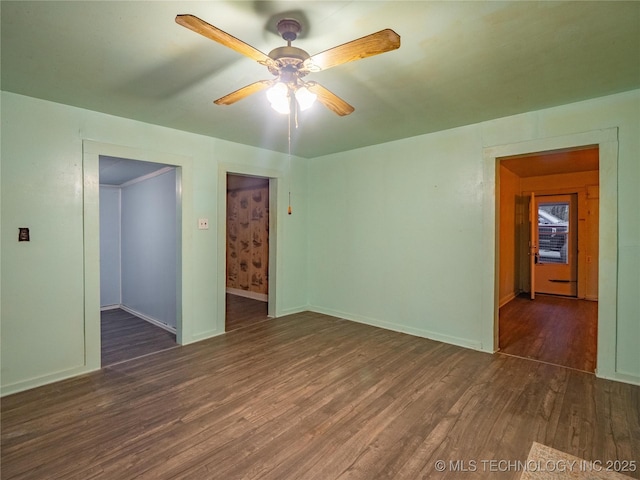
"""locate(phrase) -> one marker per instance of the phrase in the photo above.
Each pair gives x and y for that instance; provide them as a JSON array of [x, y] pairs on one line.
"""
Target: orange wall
[[563, 183], [509, 248], [513, 236]]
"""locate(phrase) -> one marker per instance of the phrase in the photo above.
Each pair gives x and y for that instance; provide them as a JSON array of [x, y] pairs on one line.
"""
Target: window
[[553, 232]]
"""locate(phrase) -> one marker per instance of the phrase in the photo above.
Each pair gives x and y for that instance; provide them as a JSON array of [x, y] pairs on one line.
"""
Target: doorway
[[547, 258], [247, 250], [139, 228]]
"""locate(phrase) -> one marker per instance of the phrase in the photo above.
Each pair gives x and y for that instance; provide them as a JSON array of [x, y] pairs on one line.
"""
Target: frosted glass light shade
[[305, 98], [278, 96]]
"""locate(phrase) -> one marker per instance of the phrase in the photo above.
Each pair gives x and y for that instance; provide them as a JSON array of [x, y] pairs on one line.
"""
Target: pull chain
[[291, 104]]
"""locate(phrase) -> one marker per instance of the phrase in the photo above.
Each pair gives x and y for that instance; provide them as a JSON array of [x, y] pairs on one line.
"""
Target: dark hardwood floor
[[310, 396], [558, 330], [242, 311], [125, 336]]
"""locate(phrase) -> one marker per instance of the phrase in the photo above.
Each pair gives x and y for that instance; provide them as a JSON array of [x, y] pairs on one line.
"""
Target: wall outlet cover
[[203, 224]]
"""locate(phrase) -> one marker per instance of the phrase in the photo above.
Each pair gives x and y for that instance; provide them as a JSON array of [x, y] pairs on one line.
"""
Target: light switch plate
[[23, 234], [203, 224]]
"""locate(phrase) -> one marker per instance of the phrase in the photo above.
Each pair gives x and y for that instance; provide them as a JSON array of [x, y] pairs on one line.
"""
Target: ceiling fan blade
[[330, 99], [207, 30], [374, 44], [243, 92]]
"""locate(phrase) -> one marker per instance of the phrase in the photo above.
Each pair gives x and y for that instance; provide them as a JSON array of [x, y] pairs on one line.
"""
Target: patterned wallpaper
[[248, 239]]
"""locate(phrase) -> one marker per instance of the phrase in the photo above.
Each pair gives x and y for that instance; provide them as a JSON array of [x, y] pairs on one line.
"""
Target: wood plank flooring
[[125, 336], [310, 396], [558, 330], [242, 311]]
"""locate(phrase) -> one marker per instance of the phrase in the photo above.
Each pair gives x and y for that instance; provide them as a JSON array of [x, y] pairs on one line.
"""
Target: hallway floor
[[557, 330], [242, 311]]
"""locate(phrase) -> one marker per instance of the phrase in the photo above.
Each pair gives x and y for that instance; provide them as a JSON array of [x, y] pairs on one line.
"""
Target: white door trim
[[91, 230], [274, 177], [607, 141]]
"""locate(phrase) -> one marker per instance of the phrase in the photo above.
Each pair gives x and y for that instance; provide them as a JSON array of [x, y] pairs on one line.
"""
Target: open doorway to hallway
[[548, 259], [247, 251]]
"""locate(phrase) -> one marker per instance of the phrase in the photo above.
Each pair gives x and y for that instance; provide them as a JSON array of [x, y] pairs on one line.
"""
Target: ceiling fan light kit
[[279, 97], [290, 64], [305, 98]]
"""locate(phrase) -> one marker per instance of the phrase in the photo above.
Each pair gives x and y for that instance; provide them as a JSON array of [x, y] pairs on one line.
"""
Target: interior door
[[533, 249], [555, 269]]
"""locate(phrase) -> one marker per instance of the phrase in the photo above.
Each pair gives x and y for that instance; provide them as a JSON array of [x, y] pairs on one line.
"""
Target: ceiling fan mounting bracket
[[289, 29]]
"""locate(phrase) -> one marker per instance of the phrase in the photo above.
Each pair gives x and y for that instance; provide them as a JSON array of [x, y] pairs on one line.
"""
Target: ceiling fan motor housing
[[288, 60]]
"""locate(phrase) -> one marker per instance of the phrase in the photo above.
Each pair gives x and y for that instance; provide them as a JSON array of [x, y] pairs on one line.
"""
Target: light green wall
[[42, 280], [393, 232], [48, 181], [398, 229], [390, 235]]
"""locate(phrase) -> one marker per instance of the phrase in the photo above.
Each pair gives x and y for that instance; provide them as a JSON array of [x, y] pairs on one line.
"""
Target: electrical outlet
[[203, 224]]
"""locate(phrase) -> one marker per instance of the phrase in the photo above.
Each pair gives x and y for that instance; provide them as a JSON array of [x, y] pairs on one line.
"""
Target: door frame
[[607, 142], [533, 245], [274, 176], [91, 152]]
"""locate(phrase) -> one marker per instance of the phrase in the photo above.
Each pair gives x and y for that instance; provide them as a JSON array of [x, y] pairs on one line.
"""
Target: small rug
[[546, 463]]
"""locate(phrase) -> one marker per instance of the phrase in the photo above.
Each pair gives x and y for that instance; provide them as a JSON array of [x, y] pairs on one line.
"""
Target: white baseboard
[[110, 307], [244, 293], [292, 310], [44, 380], [507, 299], [418, 332], [619, 377], [149, 319]]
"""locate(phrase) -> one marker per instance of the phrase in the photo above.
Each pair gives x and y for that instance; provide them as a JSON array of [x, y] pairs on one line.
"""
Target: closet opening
[[140, 259]]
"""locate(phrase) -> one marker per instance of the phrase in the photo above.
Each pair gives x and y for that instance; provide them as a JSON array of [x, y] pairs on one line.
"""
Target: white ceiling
[[459, 63]]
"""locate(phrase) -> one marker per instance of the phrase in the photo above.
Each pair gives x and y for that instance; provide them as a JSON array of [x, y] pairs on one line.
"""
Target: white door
[[555, 238]]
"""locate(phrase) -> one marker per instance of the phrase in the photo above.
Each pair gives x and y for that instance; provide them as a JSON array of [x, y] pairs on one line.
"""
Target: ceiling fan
[[290, 64]]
